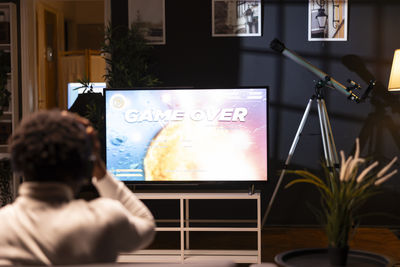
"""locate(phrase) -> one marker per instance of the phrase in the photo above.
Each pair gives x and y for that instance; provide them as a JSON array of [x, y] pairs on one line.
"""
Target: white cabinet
[[185, 226], [9, 51]]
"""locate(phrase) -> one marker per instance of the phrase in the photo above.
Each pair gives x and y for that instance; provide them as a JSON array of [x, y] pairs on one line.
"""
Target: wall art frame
[[150, 16], [327, 20], [233, 18]]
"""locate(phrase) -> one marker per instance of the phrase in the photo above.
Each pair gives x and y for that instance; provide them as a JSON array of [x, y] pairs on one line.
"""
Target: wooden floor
[[276, 240]]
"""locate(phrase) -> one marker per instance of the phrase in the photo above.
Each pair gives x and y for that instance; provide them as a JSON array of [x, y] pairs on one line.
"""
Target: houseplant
[[90, 105], [5, 68], [128, 58], [342, 194]]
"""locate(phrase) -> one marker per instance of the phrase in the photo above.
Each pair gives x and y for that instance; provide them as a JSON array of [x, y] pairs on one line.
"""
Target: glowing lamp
[[394, 80]]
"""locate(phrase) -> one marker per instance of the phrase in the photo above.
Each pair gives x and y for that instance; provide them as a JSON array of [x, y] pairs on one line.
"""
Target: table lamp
[[394, 80]]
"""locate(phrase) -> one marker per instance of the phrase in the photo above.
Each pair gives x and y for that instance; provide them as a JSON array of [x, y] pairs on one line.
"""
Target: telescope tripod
[[330, 154]]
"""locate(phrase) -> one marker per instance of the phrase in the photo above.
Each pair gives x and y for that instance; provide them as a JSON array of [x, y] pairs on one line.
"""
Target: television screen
[[73, 92], [157, 134]]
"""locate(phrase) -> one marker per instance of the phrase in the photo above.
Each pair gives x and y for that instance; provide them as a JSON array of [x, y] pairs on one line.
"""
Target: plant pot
[[338, 256]]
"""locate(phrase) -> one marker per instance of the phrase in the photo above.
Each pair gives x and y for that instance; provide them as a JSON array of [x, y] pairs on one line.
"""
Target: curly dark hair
[[51, 146]]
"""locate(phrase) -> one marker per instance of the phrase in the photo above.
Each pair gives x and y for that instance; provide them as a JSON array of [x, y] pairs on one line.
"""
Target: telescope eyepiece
[[277, 46]]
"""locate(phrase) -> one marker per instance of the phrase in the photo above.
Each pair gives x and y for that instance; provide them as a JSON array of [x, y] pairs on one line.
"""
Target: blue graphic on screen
[[187, 134], [128, 142], [74, 89]]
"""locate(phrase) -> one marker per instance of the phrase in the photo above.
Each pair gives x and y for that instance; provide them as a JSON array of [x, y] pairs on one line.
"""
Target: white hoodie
[[46, 225]]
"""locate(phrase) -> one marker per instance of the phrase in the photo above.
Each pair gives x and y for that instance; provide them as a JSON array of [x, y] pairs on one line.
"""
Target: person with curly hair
[[56, 152]]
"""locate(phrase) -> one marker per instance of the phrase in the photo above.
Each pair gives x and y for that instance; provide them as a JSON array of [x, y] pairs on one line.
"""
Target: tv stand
[[187, 225]]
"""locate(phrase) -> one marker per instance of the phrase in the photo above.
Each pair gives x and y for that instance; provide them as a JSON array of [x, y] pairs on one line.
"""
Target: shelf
[[230, 195], [4, 155], [207, 229], [185, 254], [9, 46], [154, 256]]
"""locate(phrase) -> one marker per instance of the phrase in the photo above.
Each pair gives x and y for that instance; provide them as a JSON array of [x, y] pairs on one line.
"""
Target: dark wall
[[191, 57]]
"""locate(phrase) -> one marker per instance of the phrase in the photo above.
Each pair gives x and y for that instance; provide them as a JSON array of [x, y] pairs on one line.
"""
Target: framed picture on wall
[[149, 15], [236, 18], [327, 20]]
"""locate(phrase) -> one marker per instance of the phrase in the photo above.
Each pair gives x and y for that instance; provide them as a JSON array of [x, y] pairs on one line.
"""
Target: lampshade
[[394, 80]]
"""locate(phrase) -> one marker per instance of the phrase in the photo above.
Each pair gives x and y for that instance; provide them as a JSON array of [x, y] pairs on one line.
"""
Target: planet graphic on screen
[[189, 151]]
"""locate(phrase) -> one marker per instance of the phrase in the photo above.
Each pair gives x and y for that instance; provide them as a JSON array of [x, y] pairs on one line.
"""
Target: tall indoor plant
[[342, 194], [128, 58], [129, 61]]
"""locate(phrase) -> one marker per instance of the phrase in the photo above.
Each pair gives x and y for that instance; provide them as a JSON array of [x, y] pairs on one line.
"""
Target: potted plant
[[128, 57], [90, 105], [342, 194], [5, 68]]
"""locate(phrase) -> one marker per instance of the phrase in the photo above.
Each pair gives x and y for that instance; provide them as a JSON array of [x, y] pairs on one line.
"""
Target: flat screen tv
[[180, 135]]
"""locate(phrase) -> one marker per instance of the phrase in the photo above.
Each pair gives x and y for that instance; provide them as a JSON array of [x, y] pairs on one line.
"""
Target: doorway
[[50, 28], [50, 60], [48, 45]]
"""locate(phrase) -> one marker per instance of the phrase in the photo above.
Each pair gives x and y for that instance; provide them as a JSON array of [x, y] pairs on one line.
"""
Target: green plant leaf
[[128, 58], [340, 201]]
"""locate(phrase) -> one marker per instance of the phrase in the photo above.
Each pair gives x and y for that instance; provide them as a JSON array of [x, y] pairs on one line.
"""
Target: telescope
[[279, 47], [328, 143]]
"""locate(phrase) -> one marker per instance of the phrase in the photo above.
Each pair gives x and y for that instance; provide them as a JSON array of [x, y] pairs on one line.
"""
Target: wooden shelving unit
[[8, 44], [184, 253]]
